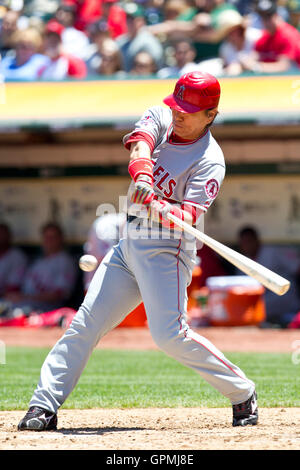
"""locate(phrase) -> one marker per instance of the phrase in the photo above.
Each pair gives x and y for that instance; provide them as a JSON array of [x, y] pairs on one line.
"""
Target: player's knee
[[161, 341], [170, 343]]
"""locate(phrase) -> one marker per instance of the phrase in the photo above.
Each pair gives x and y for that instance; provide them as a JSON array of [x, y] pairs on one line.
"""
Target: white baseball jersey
[[189, 172]]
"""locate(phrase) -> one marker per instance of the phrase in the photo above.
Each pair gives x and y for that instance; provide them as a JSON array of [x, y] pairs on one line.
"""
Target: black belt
[[158, 225], [131, 218]]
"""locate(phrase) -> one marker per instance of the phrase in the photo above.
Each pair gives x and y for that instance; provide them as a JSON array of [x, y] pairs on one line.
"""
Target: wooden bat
[[265, 276]]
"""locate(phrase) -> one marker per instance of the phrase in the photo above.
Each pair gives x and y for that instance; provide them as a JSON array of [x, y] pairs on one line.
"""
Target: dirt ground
[[158, 429]]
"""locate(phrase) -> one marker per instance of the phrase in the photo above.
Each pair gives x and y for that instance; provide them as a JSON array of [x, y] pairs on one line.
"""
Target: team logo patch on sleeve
[[147, 121], [212, 188]]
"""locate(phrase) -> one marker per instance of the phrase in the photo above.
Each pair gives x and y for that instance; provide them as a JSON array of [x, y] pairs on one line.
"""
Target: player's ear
[[211, 114]]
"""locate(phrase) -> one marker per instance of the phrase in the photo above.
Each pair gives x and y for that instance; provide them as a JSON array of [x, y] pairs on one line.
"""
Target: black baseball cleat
[[245, 413], [38, 419]]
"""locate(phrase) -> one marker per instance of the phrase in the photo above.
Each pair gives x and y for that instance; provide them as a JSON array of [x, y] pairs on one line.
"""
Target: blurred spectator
[[104, 233], [4, 7], [284, 261], [85, 12], [208, 33], [244, 7], [143, 65], [104, 54], [294, 13], [238, 43], [49, 281], [255, 20], [75, 42], [138, 38], [32, 22], [27, 61], [153, 11], [180, 10], [61, 65], [9, 26], [184, 56], [13, 263], [203, 25], [115, 17], [111, 59], [98, 32], [42, 9], [278, 49], [203, 29]]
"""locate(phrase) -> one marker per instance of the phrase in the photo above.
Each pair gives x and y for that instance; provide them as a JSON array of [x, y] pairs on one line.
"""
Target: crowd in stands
[[78, 39]]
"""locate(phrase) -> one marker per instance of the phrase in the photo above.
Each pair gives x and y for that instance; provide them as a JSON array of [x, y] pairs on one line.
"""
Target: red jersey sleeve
[[140, 136]]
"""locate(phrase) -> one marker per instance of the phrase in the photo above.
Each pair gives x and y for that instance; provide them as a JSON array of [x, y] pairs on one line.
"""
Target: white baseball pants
[[156, 272]]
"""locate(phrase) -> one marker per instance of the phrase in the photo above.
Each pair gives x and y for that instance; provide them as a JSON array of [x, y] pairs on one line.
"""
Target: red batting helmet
[[194, 92]]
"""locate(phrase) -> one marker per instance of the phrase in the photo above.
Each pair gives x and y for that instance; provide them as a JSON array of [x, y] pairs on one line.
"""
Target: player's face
[[191, 126]]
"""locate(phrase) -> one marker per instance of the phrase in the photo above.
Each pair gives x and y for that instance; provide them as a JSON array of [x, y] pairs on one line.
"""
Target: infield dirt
[[157, 428]]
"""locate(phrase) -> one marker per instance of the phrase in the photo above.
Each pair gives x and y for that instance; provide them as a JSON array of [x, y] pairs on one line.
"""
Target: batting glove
[[158, 212], [143, 191]]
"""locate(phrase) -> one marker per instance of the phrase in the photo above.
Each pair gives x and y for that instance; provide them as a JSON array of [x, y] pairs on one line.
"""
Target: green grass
[[127, 379]]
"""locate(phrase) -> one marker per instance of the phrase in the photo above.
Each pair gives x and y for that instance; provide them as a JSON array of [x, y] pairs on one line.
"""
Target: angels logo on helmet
[[180, 92]]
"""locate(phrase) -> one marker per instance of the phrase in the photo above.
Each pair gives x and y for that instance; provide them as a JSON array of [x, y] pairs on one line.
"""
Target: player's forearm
[[172, 27], [139, 149], [141, 171], [209, 36], [254, 64]]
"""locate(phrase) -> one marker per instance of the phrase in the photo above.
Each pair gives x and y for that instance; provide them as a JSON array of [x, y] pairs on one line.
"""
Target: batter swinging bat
[[265, 276]]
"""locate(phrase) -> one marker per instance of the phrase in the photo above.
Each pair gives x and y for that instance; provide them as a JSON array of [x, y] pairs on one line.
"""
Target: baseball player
[[176, 167]]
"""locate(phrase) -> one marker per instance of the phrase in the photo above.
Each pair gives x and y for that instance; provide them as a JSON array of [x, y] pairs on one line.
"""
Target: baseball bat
[[265, 276]]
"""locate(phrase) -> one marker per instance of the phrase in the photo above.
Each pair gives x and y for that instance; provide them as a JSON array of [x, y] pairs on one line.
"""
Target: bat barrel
[[265, 276]]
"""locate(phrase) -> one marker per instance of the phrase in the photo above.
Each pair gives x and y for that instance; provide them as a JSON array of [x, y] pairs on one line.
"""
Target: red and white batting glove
[[159, 210], [141, 171], [143, 191]]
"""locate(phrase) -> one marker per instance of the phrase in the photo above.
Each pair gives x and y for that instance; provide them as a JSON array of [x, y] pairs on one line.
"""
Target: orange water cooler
[[235, 301], [136, 319]]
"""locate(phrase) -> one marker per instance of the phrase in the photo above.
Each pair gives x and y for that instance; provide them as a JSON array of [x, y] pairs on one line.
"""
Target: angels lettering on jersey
[[162, 181]]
